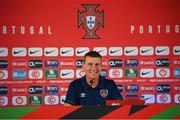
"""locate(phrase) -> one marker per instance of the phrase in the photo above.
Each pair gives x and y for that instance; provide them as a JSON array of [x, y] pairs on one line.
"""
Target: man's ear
[[83, 65]]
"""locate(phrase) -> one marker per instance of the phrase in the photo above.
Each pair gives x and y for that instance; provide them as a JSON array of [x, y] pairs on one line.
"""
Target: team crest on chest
[[104, 93]]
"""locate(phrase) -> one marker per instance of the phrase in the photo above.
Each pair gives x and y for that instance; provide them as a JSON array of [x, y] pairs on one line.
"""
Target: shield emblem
[[104, 93], [90, 21]]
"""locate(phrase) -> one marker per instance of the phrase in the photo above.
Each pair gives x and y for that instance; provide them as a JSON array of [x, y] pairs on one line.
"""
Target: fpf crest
[[90, 20]]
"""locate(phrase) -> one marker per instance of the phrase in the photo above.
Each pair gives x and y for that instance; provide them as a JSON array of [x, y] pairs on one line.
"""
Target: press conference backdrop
[[42, 44]]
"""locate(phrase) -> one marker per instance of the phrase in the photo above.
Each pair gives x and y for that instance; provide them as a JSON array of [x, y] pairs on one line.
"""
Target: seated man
[[92, 89]]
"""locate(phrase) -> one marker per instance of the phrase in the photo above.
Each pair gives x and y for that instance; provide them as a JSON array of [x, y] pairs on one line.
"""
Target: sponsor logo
[[51, 74], [177, 88], [90, 19], [51, 51], [163, 72], [3, 64], [146, 51], [51, 64], [68, 73], [132, 97], [35, 74], [67, 63], [115, 51], [147, 73], [79, 63], [35, 63], [51, 89], [131, 51], [51, 100], [115, 63], [104, 72], [176, 50], [104, 93], [3, 90], [67, 51], [35, 100], [19, 100], [101, 50], [3, 52], [163, 88], [131, 63], [81, 51], [62, 99], [35, 52], [64, 89], [19, 63], [131, 73], [148, 98], [79, 73], [3, 74], [147, 62], [35, 89], [19, 74], [162, 50], [3, 101], [19, 89], [131, 88], [115, 73], [120, 88], [177, 98], [162, 62], [19, 52], [147, 88], [177, 73], [163, 98], [176, 62]]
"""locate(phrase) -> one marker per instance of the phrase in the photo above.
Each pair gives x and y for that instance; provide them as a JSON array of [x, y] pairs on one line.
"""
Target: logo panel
[[35, 63], [147, 73], [3, 90], [19, 100], [3, 52], [3, 101], [162, 50], [131, 73], [115, 51], [163, 98], [51, 51], [146, 50], [35, 52], [3, 74], [51, 64], [51, 100], [35, 100], [35, 74], [115, 73], [81, 51], [3, 64], [115, 63], [67, 51], [130, 51], [176, 50], [51, 74], [68, 73], [19, 52], [19, 74], [163, 72], [101, 50], [90, 19], [51, 89]]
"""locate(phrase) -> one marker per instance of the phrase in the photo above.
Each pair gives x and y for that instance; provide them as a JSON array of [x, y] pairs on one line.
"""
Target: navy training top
[[80, 93]]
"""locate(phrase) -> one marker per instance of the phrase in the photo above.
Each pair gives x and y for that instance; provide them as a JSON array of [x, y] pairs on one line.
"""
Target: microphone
[[91, 82]]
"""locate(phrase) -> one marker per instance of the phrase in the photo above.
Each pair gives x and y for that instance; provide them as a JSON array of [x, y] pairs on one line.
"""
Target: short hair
[[92, 54]]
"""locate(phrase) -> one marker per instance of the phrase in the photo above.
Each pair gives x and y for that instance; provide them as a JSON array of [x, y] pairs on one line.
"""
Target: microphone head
[[91, 81]]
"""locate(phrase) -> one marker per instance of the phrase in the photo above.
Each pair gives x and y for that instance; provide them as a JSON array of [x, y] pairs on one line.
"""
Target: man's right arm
[[70, 96]]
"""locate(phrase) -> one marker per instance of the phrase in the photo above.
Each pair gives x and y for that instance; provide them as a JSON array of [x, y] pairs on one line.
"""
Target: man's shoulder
[[76, 82], [108, 81]]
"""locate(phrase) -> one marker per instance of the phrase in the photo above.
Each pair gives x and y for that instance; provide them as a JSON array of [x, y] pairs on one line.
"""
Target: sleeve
[[115, 92], [71, 95]]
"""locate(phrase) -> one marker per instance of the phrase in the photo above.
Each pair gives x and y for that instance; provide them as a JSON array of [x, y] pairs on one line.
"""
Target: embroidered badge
[[104, 93]]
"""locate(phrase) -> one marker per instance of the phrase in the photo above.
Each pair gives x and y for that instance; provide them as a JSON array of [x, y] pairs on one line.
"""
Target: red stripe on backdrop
[[120, 113], [145, 113], [177, 118], [150, 111], [50, 112]]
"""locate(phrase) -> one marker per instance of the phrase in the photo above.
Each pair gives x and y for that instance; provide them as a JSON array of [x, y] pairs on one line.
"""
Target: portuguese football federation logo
[[90, 20]]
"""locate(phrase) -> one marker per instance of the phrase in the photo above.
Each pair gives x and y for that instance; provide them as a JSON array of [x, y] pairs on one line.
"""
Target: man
[[92, 89]]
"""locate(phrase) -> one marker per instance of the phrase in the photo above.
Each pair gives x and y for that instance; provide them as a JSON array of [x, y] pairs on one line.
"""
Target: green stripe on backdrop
[[169, 113], [15, 112]]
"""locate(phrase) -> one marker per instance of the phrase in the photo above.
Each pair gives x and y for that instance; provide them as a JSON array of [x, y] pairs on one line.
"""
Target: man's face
[[92, 67]]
